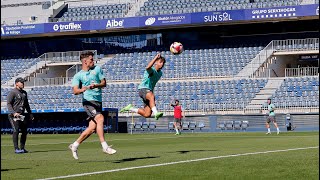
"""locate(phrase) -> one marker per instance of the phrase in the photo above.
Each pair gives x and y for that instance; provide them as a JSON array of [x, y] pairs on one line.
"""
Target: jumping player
[[150, 78]]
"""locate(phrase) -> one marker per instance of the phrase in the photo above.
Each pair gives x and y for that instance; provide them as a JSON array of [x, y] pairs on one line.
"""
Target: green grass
[[50, 157]]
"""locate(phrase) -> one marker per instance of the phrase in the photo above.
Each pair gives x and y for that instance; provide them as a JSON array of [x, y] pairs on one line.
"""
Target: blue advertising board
[[217, 16], [114, 23], [164, 20], [22, 29], [264, 13], [282, 12], [308, 10], [67, 26]]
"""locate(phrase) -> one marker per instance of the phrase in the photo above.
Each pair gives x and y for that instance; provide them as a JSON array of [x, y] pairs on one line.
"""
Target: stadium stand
[[198, 93], [298, 92], [95, 12], [200, 63], [12, 67], [25, 12], [159, 7]]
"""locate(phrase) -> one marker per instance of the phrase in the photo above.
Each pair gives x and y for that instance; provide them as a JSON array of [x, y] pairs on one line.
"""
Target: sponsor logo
[[166, 18], [217, 17], [114, 23], [150, 21], [67, 27], [273, 11], [171, 19], [15, 30]]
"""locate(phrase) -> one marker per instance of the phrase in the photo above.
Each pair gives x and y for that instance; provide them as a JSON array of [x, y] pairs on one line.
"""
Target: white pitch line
[[177, 162]]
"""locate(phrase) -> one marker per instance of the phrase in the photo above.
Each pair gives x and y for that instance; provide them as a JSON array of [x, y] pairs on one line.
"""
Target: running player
[[89, 82]]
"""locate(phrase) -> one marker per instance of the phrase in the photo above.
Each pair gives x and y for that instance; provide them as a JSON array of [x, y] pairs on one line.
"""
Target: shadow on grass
[[123, 160], [134, 159], [47, 151], [13, 169], [185, 152]]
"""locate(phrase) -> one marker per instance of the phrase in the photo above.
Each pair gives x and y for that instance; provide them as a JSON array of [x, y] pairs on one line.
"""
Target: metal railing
[[78, 3], [286, 107], [290, 45], [302, 71], [47, 81], [65, 57], [72, 71], [262, 73], [257, 61], [49, 58]]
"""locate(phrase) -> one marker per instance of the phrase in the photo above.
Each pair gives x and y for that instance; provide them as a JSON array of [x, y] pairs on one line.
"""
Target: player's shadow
[[47, 151], [123, 160], [185, 152], [13, 169], [134, 159]]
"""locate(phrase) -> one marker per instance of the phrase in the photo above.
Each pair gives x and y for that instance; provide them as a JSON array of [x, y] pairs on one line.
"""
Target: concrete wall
[[54, 71], [281, 62]]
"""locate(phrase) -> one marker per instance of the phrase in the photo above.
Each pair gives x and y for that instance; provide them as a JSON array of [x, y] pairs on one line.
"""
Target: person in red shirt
[[178, 114]]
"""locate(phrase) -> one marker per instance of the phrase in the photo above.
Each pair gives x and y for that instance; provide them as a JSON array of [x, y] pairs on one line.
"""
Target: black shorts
[[142, 93], [92, 108], [178, 120], [271, 119]]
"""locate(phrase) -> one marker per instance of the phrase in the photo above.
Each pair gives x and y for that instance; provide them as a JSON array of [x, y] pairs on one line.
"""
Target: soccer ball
[[176, 48]]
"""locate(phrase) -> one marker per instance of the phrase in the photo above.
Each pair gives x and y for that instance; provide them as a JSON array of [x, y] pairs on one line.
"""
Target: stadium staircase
[[28, 72], [261, 58], [261, 97], [135, 8], [57, 6]]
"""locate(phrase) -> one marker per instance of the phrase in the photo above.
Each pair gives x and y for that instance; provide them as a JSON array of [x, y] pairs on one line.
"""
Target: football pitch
[[290, 155]]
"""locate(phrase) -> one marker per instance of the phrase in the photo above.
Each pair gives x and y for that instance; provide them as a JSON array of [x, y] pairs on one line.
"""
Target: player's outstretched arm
[[153, 61]]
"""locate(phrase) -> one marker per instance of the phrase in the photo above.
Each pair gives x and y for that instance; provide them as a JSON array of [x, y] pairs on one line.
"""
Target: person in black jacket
[[17, 103]]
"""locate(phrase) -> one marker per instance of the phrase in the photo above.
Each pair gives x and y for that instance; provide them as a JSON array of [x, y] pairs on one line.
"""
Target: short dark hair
[[176, 100], [20, 79], [86, 54], [163, 59]]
